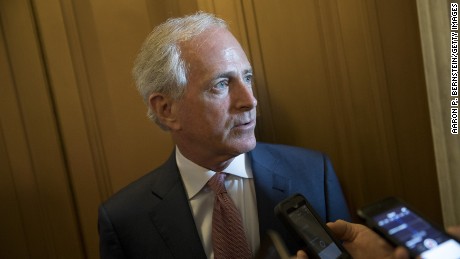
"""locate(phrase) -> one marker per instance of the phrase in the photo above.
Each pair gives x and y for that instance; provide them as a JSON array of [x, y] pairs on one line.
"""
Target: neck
[[212, 162]]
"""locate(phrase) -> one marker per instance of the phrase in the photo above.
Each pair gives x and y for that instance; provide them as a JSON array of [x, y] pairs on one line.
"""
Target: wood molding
[[435, 37]]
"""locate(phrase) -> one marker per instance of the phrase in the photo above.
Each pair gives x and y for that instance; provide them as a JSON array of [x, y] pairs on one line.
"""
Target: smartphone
[[301, 219], [402, 225]]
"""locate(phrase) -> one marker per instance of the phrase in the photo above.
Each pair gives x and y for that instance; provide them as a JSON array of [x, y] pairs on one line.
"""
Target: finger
[[454, 230], [401, 253], [302, 255], [342, 230]]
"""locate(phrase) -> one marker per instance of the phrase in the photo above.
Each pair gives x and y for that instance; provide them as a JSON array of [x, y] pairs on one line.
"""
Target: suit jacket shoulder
[[150, 218]]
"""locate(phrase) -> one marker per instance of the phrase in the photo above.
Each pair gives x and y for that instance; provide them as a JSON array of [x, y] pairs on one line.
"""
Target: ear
[[164, 108]]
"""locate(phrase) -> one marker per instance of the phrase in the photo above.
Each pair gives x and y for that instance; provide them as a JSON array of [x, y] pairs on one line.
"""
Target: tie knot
[[217, 183]]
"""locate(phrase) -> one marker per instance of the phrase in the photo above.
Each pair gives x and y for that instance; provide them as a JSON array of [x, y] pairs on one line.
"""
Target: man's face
[[217, 114]]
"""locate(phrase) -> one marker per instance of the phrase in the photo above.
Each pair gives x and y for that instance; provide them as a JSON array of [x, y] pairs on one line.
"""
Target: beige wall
[[344, 77]]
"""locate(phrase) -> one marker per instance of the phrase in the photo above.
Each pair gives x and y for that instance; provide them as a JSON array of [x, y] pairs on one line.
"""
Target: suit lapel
[[271, 187], [172, 215]]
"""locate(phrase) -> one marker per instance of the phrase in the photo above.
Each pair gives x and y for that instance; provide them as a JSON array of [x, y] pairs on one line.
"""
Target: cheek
[[207, 115], [216, 119]]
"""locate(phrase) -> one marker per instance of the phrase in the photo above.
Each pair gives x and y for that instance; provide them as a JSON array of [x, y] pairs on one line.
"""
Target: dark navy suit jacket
[[151, 217]]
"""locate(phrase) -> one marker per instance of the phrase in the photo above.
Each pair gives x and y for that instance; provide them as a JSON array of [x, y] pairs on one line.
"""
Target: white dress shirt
[[240, 186]]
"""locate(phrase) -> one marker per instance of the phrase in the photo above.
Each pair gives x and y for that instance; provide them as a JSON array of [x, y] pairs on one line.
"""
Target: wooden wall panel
[[373, 169], [291, 49], [130, 144], [401, 49], [108, 141], [13, 236], [87, 170], [435, 37], [338, 81], [36, 165]]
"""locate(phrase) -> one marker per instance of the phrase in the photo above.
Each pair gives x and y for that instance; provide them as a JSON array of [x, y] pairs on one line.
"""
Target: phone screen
[[313, 233], [417, 234]]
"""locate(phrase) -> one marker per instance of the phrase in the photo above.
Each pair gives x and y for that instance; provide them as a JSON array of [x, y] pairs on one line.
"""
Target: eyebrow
[[230, 73]]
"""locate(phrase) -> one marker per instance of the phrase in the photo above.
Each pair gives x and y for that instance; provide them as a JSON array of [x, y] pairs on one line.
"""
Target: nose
[[244, 97]]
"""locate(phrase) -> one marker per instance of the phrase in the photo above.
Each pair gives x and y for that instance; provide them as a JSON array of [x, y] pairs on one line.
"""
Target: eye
[[220, 86], [248, 79]]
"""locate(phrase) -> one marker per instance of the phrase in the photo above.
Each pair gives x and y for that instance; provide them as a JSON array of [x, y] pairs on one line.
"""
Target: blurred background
[[365, 81]]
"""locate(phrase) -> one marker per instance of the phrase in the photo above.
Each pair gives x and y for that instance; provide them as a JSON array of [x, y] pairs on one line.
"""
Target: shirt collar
[[195, 177]]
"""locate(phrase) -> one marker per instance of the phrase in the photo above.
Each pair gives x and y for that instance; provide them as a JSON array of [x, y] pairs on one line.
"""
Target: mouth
[[246, 125]]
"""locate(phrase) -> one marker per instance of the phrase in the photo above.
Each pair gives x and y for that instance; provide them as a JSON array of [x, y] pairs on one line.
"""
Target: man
[[197, 83]]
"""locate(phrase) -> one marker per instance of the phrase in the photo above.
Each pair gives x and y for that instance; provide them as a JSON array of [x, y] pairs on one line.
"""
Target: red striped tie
[[228, 237]]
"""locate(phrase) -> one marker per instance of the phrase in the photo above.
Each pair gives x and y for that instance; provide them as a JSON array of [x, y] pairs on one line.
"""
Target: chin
[[244, 146]]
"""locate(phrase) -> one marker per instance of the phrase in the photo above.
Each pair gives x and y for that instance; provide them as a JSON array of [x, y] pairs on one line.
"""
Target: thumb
[[343, 230], [400, 253], [301, 255]]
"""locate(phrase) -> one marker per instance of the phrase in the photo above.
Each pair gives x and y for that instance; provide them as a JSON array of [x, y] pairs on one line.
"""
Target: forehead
[[213, 48]]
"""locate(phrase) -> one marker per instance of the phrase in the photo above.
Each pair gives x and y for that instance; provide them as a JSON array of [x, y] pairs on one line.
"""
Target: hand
[[454, 231], [362, 242], [301, 255]]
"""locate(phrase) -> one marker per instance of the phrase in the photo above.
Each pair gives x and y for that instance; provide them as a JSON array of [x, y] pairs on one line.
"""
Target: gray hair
[[159, 67]]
